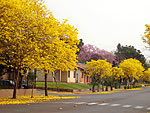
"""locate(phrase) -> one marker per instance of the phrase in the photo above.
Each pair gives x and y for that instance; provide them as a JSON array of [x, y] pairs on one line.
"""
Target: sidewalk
[[81, 92]]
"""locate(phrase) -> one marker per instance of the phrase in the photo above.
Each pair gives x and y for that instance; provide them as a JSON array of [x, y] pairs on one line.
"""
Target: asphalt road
[[121, 102]]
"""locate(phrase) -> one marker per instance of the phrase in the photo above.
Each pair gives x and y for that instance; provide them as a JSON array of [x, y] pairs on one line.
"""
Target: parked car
[[7, 83], [24, 84]]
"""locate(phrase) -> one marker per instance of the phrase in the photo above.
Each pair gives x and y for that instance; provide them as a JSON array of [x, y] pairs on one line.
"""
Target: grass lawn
[[64, 85]]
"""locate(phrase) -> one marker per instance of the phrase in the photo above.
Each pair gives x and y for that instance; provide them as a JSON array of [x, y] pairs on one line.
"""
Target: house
[[7, 76], [61, 76], [40, 76], [81, 75], [70, 76]]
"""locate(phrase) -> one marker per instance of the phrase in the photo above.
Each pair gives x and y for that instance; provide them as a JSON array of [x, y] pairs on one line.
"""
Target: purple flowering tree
[[88, 52]]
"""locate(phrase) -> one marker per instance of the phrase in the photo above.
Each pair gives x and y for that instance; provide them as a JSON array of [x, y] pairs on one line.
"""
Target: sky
[[105, 23]]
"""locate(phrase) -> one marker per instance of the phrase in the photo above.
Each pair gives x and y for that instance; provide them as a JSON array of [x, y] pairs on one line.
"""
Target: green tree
[[126, 52], [81, 43], [118, 53]]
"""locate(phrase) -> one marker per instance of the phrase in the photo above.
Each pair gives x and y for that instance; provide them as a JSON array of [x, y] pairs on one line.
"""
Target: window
[[69, 74], [87, 78], [82, 75], [74, 74]]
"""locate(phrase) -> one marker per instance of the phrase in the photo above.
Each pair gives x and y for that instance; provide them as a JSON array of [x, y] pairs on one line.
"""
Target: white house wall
[[78, 76], [71, 79]]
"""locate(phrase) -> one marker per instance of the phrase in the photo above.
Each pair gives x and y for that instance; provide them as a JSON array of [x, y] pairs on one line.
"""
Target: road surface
[[120, 102]]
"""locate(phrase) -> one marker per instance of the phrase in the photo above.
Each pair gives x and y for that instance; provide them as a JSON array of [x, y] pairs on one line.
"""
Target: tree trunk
[[93, 87], [106, 88], [16, 84], [106, 82], [35, 71], [46, 93], [9, 78], [102, 86], [53, 74], [111, 88], [20, 80], [27, 81], [32, 91], [98, 88], [120, 83], [129, 83], [115, 85]]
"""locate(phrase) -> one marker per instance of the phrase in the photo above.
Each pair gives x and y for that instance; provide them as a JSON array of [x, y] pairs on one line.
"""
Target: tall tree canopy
[[126, 52], [81, 43]]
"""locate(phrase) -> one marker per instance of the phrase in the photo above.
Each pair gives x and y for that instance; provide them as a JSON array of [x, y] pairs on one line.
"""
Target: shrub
[[137, 86], [147, 85], [132, 86]]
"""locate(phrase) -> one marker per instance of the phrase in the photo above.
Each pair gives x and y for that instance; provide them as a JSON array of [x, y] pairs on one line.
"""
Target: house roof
[[82, 66]]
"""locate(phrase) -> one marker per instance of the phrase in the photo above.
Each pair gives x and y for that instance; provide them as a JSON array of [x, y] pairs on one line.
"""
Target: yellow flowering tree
[[18, 34], [57, 51], [146, 76], [57, 48], [97, 70], [59, 56], [146, 37], [117, 74], [30, 37], [132, 69]]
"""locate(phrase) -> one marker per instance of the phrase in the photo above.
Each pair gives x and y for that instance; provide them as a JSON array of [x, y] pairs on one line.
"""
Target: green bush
[[137, 86], [132, 86], [147, 85]]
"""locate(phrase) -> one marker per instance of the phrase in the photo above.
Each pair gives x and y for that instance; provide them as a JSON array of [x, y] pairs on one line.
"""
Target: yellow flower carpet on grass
[[28, 99]]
